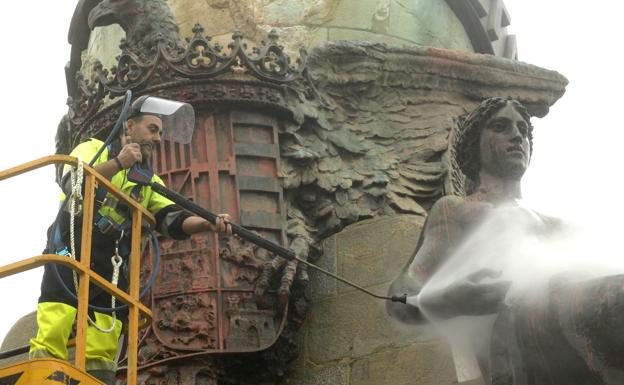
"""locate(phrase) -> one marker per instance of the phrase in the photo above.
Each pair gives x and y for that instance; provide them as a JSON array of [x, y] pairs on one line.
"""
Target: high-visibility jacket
[[152, 201], [169, 218]]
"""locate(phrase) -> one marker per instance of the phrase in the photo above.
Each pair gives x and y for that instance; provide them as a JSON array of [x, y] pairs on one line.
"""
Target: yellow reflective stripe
[[157, 201], [54, 321], [40, 353], [101, 365], [102, 347]]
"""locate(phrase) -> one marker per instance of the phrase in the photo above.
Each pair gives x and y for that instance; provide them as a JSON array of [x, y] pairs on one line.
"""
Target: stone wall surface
[[307, 22], [348, 338], [20, 334]]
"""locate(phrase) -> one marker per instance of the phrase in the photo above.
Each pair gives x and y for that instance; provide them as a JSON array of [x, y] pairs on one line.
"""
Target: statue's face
[[504, 144]]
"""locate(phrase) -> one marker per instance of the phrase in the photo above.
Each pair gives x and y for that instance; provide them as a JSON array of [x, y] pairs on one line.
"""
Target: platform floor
[[46, 371]]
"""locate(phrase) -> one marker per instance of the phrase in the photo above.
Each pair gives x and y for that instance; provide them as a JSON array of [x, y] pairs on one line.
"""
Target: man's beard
[[147, 149]]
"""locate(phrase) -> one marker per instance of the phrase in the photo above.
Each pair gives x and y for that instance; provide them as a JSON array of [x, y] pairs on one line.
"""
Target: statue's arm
[[436, 240], [471, 295]]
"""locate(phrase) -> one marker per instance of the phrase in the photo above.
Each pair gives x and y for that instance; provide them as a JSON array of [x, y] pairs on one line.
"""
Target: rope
[[75, 208], [75, 199]]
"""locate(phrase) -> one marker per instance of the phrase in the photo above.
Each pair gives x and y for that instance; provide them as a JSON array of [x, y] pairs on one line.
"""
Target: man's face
[[504, 144], [146, 131]]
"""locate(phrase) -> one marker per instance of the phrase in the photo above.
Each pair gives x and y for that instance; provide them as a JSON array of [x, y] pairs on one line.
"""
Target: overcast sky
[[574, 171]]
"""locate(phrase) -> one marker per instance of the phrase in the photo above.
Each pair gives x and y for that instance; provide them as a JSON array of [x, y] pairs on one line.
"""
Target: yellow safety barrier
[[46, 371], [37, 368]]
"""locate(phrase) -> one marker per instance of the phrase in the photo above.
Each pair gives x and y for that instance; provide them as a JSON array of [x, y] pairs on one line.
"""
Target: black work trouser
[[102, 249]]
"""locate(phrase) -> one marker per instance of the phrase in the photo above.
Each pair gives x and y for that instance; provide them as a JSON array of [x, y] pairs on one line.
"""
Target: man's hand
[[223, 225], [195, 224], [468, 296], [129, 155]]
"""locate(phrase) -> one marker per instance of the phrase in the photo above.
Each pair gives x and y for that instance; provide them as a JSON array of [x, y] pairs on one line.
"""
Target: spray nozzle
[[399, 298]]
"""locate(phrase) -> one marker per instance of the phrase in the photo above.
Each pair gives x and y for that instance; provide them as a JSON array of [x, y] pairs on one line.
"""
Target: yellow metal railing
[[85, 275]]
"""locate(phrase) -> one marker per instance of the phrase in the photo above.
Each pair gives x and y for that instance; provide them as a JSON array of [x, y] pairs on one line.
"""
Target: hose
[[115, 132], [107, 310]]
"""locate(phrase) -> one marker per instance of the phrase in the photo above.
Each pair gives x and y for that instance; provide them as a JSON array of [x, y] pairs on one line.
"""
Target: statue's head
[[496, 137]]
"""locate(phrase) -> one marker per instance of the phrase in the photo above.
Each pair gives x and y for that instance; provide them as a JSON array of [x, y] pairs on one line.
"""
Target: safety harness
[[106, 225]]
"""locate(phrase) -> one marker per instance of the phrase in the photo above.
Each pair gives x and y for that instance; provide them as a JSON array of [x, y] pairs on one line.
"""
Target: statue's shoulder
[[454, 202], [447, 207], [459, 210], [449, 201]]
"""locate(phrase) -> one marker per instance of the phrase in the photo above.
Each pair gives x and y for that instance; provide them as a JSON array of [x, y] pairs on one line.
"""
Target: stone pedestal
[[348, 337]]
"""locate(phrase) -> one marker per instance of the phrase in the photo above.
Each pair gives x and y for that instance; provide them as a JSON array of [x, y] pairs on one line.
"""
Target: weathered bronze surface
[[144, 21], [568, 334], [264, 77], [204, 298], [572, 336]]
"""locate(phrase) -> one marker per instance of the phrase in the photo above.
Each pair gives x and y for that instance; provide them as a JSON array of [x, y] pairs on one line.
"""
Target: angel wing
[[381, 143], [378, 146]]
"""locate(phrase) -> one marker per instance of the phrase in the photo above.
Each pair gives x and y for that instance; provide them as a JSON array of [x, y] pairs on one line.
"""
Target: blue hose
[[150, 282], [115, 132]]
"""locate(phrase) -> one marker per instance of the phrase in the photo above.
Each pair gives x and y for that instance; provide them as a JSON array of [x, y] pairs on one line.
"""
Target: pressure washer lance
[[135, 175]]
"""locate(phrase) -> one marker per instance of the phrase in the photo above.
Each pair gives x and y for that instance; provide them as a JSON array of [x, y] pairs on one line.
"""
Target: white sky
[[574, 170]]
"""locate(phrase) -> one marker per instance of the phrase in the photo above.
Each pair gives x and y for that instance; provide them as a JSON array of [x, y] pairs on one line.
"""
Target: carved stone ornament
[[267, 72]]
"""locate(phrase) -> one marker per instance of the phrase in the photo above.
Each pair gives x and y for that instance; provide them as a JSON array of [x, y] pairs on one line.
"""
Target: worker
[[56, 309]]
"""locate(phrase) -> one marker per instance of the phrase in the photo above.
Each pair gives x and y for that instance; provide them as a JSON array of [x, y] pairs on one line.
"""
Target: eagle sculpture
[[144, 21]]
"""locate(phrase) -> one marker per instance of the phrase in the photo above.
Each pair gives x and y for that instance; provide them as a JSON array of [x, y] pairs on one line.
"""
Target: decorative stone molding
[[261, 76], [486, 24]]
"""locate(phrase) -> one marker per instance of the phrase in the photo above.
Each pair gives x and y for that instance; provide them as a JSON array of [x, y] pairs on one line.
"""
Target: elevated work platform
[[45, 372], [52, 371]]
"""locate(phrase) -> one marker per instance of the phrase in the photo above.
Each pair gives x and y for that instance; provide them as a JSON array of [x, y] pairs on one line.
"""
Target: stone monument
[[339, 154]]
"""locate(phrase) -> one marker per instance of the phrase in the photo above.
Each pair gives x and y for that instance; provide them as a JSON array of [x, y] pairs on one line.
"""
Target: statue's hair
[[467, 153]]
